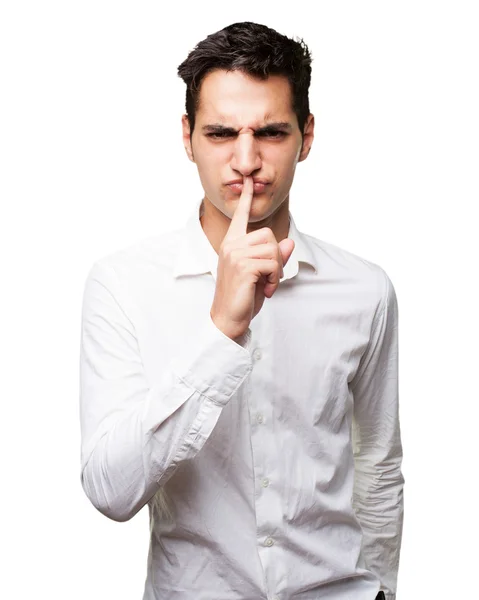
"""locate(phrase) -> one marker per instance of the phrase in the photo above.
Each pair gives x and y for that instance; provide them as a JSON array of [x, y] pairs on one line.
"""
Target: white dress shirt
[[271, 465]]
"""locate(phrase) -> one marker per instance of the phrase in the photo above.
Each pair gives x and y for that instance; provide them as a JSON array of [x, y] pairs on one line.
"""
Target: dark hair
[[256, 50]]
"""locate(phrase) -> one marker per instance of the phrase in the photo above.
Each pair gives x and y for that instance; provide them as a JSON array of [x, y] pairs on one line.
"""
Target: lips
[[255, 180], [236, 185], [237, 188]]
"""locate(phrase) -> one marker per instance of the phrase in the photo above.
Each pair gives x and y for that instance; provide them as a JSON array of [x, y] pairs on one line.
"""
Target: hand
[[250, 266]]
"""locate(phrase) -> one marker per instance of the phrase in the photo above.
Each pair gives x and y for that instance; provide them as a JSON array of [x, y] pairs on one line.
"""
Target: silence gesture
[[250, 266]]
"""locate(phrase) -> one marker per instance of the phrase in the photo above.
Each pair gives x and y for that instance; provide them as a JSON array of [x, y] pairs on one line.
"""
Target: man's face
[[244, 105]]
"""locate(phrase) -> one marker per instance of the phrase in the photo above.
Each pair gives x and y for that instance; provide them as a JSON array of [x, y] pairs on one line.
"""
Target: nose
[[246, 157]]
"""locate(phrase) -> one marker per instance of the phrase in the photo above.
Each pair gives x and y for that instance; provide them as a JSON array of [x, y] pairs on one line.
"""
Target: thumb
[[286, 248]]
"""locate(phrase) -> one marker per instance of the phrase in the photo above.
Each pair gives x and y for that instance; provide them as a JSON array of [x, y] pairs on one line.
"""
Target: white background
[[92, 160]]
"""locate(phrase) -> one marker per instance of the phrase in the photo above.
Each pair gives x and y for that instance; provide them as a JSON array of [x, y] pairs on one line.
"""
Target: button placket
[[257, 354], [268, 541], [262, 442]]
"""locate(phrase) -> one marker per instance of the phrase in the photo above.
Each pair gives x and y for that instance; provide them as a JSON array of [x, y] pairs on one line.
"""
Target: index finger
[[239, 222]]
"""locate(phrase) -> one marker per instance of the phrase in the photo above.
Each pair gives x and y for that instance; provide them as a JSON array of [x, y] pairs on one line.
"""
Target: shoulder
[[148, 256], [348, 270]]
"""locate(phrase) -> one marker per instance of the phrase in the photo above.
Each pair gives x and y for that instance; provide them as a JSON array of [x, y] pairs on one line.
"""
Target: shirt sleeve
[[378, 486], [134, 436]]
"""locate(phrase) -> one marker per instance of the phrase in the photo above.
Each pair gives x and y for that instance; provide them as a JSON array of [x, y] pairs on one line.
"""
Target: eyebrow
[[218, 127]]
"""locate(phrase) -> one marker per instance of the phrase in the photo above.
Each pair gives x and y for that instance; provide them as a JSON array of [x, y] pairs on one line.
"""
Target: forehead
[[234, 98]]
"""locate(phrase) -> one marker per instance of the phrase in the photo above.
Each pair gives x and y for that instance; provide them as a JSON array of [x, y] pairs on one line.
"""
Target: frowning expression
[[246, 126]]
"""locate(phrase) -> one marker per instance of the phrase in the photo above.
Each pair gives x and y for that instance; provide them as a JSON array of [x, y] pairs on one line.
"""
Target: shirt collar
[[196, 255]]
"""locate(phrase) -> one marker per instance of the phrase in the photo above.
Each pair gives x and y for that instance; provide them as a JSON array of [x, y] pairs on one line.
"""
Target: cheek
[[284, 158], [208, 168], [285, 171], [211, 164]]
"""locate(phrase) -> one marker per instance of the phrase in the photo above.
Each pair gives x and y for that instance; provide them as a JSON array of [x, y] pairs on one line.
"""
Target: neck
[[215, 224]]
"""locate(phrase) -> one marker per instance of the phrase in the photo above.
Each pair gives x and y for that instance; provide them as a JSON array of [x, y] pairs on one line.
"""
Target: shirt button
[[268, 542], [265, 482], [257, 354], [259, 418]]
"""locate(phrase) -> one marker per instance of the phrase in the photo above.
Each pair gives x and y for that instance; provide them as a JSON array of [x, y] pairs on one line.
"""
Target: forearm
[[143, 448], [379, 505], [135, 434]]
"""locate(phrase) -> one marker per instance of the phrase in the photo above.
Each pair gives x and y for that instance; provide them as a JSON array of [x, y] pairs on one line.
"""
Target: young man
[[240, 376]]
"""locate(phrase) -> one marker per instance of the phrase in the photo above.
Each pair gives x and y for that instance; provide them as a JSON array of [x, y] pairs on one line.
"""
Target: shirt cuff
[[214, 364]]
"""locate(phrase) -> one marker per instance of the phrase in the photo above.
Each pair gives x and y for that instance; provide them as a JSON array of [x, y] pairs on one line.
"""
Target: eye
[[273, 134], [221, 134]]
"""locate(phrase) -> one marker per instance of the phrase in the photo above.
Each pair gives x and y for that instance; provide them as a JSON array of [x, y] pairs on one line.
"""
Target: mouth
[[237, 188]]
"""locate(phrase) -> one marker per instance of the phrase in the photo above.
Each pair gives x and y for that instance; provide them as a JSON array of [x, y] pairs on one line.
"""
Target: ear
[[308, 137], [185, 124]]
